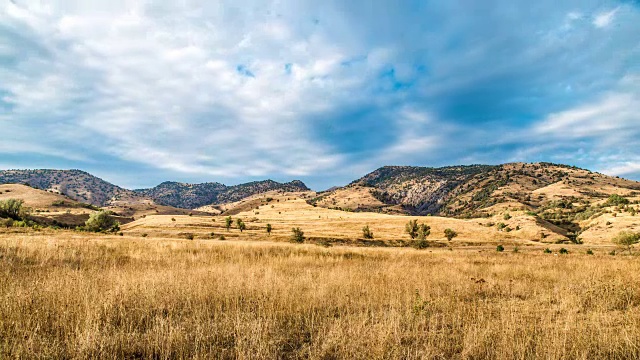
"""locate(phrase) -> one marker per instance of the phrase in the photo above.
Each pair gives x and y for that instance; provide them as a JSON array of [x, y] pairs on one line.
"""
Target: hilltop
[[76, 184], [191, 196]]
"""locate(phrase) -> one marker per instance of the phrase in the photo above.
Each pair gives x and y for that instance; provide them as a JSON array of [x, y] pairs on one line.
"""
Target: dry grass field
[[76, 295]]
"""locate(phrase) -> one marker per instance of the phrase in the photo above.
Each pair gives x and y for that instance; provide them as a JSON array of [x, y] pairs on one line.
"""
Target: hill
[[76, 184], [191, 196]]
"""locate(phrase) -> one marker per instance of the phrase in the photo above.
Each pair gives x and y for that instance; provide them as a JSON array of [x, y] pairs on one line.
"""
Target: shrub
[[424, 231], [507, 216], [499, 248], [516, 249], [222, 237], [173, 219], [367, 233], [627, 239], [450, 234], [547, 251], [13, 209], [144, 235], [6, 223], [101, 221], [564, 251], [420, 244], [616, 200], [269, 229], [412, 228], [227, 222], [297, 236], [589, 252], [501, 226], [241, 225], [189, 236]]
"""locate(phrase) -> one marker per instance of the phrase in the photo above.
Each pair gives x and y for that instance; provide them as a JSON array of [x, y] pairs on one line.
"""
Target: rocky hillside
[[76, 184], [191, 196], [471, 191]]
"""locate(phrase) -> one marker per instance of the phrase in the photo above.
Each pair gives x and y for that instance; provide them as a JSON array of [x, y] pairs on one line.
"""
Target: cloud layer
[[237, 90]]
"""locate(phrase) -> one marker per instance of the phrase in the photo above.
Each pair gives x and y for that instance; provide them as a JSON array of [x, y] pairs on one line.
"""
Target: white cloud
[[604, 19], [159, 85]]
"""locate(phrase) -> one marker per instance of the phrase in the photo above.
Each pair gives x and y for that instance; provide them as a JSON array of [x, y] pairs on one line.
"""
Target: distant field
[[76, 295]]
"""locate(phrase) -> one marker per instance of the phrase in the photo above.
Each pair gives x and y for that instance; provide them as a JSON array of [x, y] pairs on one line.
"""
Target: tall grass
[[108, 298]]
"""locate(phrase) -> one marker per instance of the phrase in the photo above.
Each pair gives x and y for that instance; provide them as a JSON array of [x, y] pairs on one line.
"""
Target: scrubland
[[76, 295]]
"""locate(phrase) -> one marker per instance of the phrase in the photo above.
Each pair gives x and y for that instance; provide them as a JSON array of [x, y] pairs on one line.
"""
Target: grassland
[[74, 295]]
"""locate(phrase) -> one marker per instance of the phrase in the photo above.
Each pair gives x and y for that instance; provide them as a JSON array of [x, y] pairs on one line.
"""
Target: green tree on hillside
[[269, 229], [13, 209], [412, 228], [241, 225], [297, 236], [101, 221], [450, 234], [227, 222], [627, 239]]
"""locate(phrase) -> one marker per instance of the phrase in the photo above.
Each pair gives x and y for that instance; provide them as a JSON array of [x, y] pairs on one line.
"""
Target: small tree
[[241, 225], [13, 209], [627, 239], [269, 229], [499, 248], [297, 236], [424, 230], [412, 228], [227, 222], [367, 233], [101, 221], [450, 234]]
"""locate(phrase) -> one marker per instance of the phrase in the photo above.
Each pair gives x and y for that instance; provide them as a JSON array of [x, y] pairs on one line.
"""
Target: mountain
[[191, 196], [76, 184], [474, 191]]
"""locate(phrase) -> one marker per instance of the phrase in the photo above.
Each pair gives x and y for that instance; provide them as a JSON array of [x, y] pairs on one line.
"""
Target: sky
[[140, 92]]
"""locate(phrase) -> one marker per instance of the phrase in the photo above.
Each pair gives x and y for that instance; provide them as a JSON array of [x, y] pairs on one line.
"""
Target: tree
[[450, 234], [241, 225], [227, 222], [269, 229], [13, 209], [101, 221], [616, 199], [367, 233], [424, 230], [412, 228], [627, 239], [297, 236]]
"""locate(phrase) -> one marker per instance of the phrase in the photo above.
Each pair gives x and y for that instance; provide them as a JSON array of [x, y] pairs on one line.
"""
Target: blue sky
[[140, 92]]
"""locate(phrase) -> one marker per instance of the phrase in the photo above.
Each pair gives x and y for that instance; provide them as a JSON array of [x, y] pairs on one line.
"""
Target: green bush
[[450, 234], [13, 209], [548, 251], [564, 251], [241, 225], [412, 228], [367, 233], [227, 222], [507, 216], [424, 231], [616, 200], [269, 228], [420, 244], [297, 236], [499, 248], [589, 252], [627, 239], [101, 221]]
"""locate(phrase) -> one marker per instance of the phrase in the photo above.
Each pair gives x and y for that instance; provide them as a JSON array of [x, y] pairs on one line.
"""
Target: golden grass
[[71, 295]]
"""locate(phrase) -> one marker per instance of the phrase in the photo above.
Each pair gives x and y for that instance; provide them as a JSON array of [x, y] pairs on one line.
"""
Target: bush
[[189, 236], [589, 252], [241, 225], [450, 234], [227, 222], [412, 228], [499, 248], [420, 244], [101, 221], [501, 226], [548, 251], [13, 209], [367, 233], [516, 249], [564, 251], [6, 223], [507, 216], [616, 200], [627, 239], [297, 236], [269, 228]]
